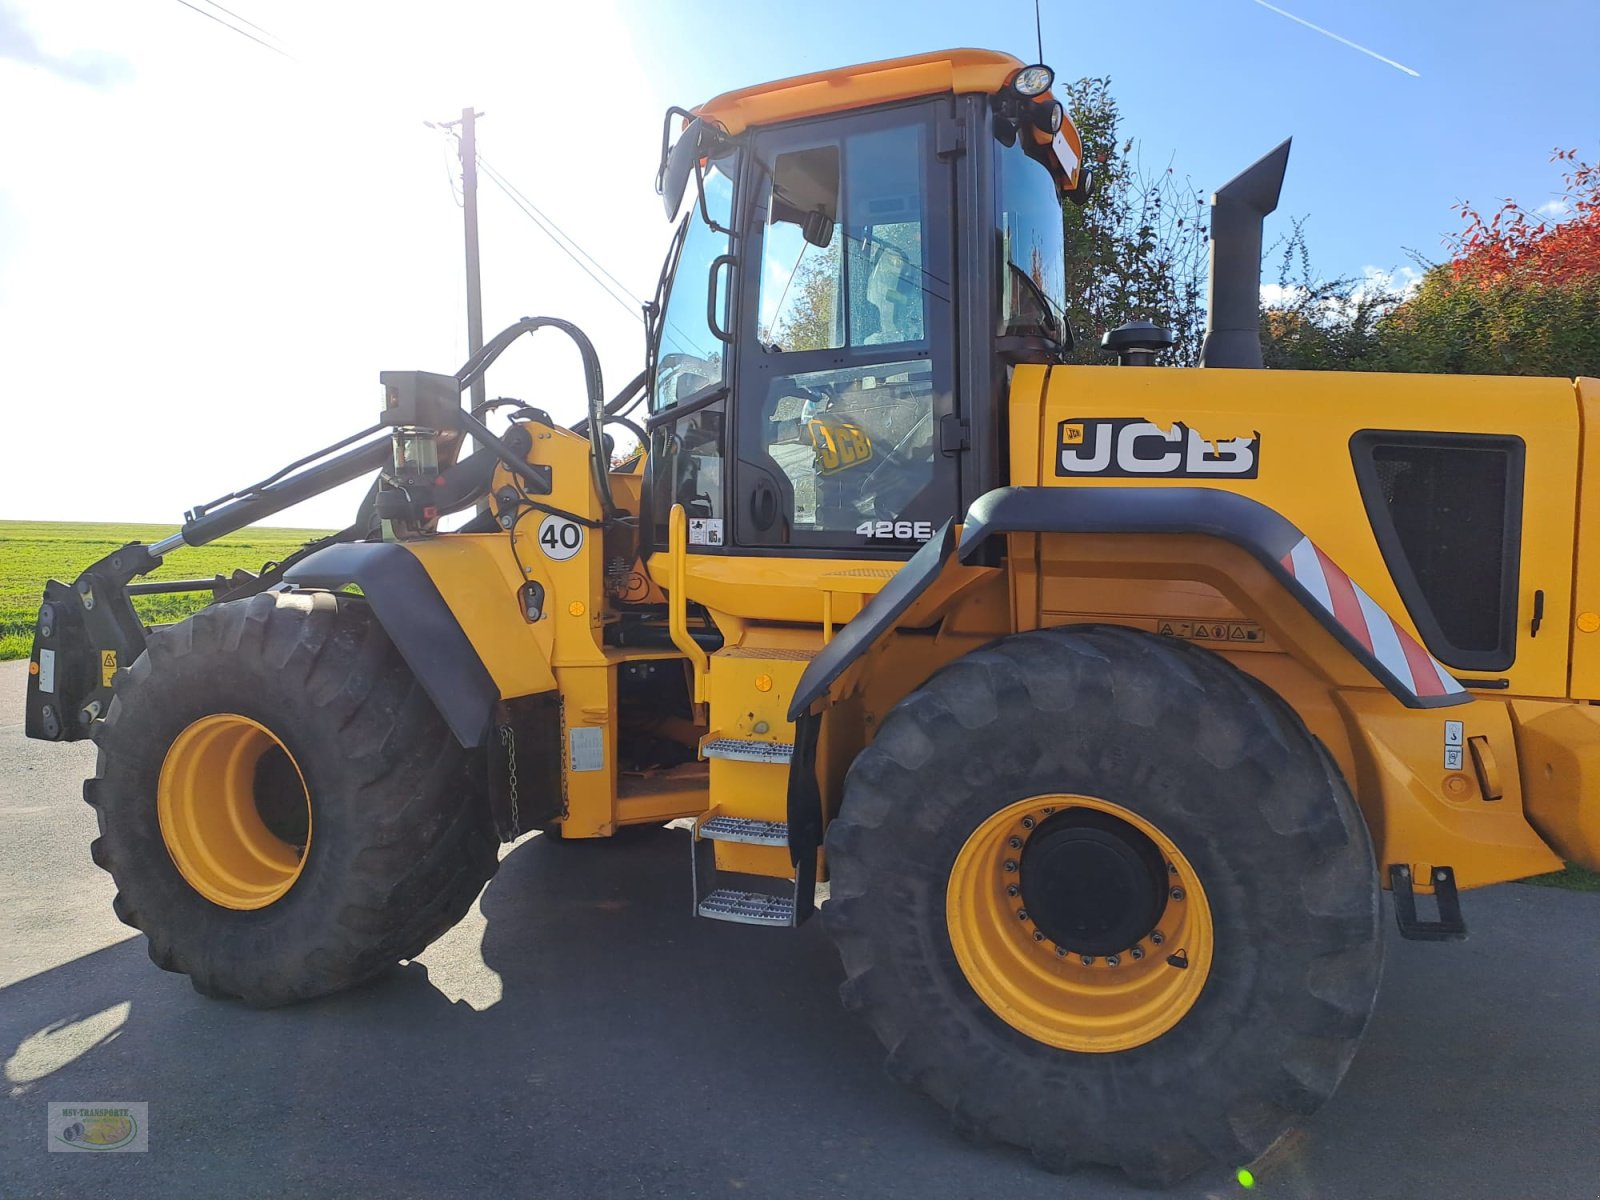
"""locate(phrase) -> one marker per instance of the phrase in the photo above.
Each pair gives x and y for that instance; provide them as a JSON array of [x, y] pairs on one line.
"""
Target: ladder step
[[746, 750], [748, 908], [742, 829]]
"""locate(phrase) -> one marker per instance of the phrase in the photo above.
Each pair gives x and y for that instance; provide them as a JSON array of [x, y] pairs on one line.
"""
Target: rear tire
[[399, 841], [1221, 772]]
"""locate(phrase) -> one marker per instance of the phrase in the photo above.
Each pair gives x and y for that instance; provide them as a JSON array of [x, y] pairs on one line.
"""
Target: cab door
[[846, 335]]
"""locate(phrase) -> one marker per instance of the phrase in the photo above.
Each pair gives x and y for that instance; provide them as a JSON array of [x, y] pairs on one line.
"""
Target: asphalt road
[[580, 1035]]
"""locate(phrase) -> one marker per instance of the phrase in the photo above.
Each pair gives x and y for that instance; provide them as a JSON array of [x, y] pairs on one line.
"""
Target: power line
[[241, 32], [566, 243], [545, 217], [242, 20]]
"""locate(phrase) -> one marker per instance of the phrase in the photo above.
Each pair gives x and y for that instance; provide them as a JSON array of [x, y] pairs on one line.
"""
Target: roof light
[[1048, 116], [1033, 81]]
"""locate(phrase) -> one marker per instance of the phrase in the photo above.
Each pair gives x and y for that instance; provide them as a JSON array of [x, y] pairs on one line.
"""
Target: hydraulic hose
[[475, 366]]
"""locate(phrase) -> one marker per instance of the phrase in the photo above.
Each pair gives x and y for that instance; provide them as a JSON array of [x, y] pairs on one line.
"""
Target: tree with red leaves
[[1513, 244], [1520, 295]]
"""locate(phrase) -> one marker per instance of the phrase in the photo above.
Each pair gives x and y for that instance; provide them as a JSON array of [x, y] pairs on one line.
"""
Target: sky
[[209, 249]]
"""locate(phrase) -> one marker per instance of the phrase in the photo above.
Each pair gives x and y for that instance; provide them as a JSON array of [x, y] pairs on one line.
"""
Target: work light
[[1033, 81]]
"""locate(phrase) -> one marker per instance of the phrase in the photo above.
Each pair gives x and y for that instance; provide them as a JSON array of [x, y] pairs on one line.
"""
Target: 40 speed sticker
[[560, 538]]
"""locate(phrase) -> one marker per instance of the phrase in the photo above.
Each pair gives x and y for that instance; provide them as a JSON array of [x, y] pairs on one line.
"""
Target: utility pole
[[469, 197]]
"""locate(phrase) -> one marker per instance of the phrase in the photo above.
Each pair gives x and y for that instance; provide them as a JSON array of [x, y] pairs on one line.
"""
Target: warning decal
[[108, 667], [1210, 630]]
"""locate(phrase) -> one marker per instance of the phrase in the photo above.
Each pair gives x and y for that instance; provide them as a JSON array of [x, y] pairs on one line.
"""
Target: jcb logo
[[1123, 447], [840, 445]]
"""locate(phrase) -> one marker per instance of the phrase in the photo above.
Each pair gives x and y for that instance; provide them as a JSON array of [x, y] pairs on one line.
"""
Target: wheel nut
[[1113, 960], [1038, 936], [1022, 914], [1086, 959], [1011, 865], [1027, 822], [1177, 893], [1171, 869], [1136, 953], [1061, 951], [1012, 889], [1015, 843], [1158, 937]]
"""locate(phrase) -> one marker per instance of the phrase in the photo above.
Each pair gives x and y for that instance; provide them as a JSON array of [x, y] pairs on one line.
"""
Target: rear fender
[[1379, 645]]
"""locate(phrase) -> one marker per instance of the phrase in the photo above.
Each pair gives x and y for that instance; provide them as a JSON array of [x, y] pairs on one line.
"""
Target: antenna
[[1038, 31]]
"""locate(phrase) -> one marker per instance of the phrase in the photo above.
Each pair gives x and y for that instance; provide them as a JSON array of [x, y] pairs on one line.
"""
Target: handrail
[[678, 600]]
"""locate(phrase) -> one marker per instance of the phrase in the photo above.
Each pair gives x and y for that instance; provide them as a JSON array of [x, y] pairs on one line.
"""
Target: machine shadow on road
[[636, 1051]]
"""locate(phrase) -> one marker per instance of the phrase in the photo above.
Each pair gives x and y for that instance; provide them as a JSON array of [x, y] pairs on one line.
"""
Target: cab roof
[[943, 72], [892, 79]]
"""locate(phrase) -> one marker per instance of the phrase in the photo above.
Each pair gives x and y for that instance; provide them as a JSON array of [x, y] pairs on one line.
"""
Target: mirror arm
[[705, 211]]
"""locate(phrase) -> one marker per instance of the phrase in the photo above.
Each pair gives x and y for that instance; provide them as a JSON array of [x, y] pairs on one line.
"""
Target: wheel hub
[[1092, 883], [234, 811], [1079, 922]]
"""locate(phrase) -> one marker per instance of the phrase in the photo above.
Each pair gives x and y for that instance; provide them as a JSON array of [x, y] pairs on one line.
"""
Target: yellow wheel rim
[[206, 804], [1042, 983]]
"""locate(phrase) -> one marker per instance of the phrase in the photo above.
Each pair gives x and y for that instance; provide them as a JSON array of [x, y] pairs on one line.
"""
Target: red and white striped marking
[[1399, 653]]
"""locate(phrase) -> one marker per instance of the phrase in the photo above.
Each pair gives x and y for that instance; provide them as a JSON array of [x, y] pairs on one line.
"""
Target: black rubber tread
[[401, 840], [1221, 765]]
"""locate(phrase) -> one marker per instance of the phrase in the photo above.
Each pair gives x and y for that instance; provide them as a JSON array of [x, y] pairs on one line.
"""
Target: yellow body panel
[[1305, 419], [1558, 746], [1585, 683], [1420, 812], [479, 580]]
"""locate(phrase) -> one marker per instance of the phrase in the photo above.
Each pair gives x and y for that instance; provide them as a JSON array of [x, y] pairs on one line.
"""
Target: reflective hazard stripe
[[1395, 650]]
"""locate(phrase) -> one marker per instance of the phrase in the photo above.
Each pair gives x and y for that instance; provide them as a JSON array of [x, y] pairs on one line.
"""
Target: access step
[[738, 895], [742, 829], [747, 908], [1450, 927], [748, 750]]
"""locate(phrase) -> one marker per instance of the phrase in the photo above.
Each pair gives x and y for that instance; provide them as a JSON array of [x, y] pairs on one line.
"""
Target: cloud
[[1553, 209], [1402, 280], [89, 67], [1375, 282]]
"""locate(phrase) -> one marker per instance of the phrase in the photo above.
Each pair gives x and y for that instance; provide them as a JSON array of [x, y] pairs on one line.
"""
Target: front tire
[[282, 808], [1203, 952]]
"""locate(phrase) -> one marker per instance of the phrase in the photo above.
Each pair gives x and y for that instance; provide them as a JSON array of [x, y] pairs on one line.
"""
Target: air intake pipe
[[1233, 301]]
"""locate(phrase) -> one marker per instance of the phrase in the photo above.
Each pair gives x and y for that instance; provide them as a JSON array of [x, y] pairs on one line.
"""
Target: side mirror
[[678, 165], [817, 228]]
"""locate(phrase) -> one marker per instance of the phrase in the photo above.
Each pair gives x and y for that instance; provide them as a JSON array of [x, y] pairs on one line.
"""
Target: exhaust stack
[[1233, 301]]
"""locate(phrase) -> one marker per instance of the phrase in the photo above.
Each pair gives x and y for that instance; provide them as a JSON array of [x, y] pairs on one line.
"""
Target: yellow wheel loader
[[1093, 708]]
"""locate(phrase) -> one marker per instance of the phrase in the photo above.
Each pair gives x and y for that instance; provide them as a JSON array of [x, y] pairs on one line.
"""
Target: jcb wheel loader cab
[[862, 254], [282, 808]]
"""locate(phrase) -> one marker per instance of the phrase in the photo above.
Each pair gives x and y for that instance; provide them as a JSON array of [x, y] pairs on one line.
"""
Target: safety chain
[[508, 740]]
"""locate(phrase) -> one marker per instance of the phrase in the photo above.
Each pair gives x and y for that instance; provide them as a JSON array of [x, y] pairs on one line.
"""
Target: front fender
[[421, 624]]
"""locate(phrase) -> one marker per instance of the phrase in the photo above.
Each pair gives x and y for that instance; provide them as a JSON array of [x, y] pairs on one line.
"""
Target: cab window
[[690, 356], [685, 465], [838, 413]]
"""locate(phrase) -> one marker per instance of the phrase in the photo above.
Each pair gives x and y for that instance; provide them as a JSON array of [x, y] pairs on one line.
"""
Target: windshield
[[689, 354], [1033, 287]]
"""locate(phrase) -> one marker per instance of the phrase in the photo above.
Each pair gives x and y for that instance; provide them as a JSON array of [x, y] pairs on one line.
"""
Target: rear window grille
[[1446, 510]]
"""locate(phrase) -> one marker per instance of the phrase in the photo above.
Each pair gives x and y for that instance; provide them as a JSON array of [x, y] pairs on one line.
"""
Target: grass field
[[34, 551]]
